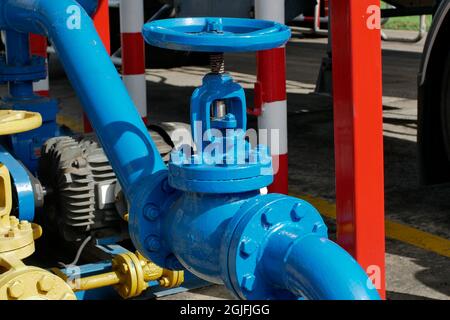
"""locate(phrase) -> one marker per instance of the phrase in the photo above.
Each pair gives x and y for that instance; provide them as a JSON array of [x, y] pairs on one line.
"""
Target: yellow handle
[[15, 121]]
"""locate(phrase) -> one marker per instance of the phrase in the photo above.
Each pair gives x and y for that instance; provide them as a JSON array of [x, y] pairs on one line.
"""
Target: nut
[[267, 218], [297, 213], [248, 282], [248, 247], [124, 268], [16, 290], [24, 225], [46, 284]]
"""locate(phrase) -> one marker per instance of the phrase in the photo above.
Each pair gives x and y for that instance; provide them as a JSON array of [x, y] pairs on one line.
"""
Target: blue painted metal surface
[[225, 161], [20, 70], [216, 87], [219, 227], [216, 34], [246, 240], [22, 185], [249, 242], [277, 247], [117, 123], [90, 6]]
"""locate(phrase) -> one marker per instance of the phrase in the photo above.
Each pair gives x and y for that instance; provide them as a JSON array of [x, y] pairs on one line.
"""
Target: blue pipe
[[315, 268], [260, 247], [18, 54], [103, 95]]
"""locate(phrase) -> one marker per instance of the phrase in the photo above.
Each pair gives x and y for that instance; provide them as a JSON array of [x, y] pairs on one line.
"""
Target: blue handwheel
[[216, 34]]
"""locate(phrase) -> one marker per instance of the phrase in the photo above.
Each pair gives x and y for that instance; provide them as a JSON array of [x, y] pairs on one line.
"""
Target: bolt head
[[164, 282], [248, 282], [319, 227], [16, 290], [13, 221], [166, 187], [151, 212], [297, 212], [268, 219], [248, 247], [153, 244], [124, 268], [24, 225], [46, 284], [124, 291]]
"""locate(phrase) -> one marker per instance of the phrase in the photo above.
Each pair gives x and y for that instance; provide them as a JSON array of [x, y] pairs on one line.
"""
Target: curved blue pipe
[[313, 267], [103, 95], [197, 224], [289, 260], [195, 228]]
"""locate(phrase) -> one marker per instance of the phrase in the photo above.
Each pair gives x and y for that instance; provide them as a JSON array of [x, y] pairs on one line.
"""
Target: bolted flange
[[32, 283], [247, 233]]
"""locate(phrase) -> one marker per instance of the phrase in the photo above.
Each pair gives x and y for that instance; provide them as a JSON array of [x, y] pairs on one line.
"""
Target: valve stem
[[217, 62]]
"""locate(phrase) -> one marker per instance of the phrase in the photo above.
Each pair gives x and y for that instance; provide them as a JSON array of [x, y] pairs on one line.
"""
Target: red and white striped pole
[[270, 92], [133, 52], [38, 47]]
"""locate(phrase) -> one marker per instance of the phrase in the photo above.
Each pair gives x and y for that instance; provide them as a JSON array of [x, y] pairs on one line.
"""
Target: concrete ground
[[412, 273]]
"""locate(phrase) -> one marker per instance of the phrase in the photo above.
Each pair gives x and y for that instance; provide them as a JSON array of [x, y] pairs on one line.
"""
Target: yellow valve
[[166, 278], [129, 276], [5, 198], [171, 279], [15, 121], [17, 280], [15, 236], [31, 283]]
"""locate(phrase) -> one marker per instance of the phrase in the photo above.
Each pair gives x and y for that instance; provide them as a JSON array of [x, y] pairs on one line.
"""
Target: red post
[[38, 47], [101, 22], [358, 129], [270, 97], [133, 53]]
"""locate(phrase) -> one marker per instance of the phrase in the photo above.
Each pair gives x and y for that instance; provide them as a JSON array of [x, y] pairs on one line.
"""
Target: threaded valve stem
[[217, 62]]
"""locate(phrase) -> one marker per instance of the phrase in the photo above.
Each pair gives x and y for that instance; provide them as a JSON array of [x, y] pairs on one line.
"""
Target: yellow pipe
[[97, 281], [130, 275]]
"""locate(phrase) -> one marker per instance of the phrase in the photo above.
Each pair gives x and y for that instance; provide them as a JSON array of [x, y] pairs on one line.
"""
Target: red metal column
[[38, 47], [101, 22], [358, 117], [270, 97]]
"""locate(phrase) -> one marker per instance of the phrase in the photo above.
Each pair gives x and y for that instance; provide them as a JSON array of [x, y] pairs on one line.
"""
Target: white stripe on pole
[[137, 89], [133, 52], [42, 85], [270, 10], [131, 16], [274, 120], [274, 113]]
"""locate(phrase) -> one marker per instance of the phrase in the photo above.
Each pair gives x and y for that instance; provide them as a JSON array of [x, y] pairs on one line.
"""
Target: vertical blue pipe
[[119, 127], [18, 54]]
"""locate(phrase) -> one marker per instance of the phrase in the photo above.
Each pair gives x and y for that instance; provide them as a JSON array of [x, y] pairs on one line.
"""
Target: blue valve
[[211, 218], [219, 105], [216, 34]]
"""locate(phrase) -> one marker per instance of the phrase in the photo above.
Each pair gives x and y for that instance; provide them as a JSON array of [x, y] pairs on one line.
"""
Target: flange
[[32, 283], [236, 171], [35, 71], [247, 236]]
